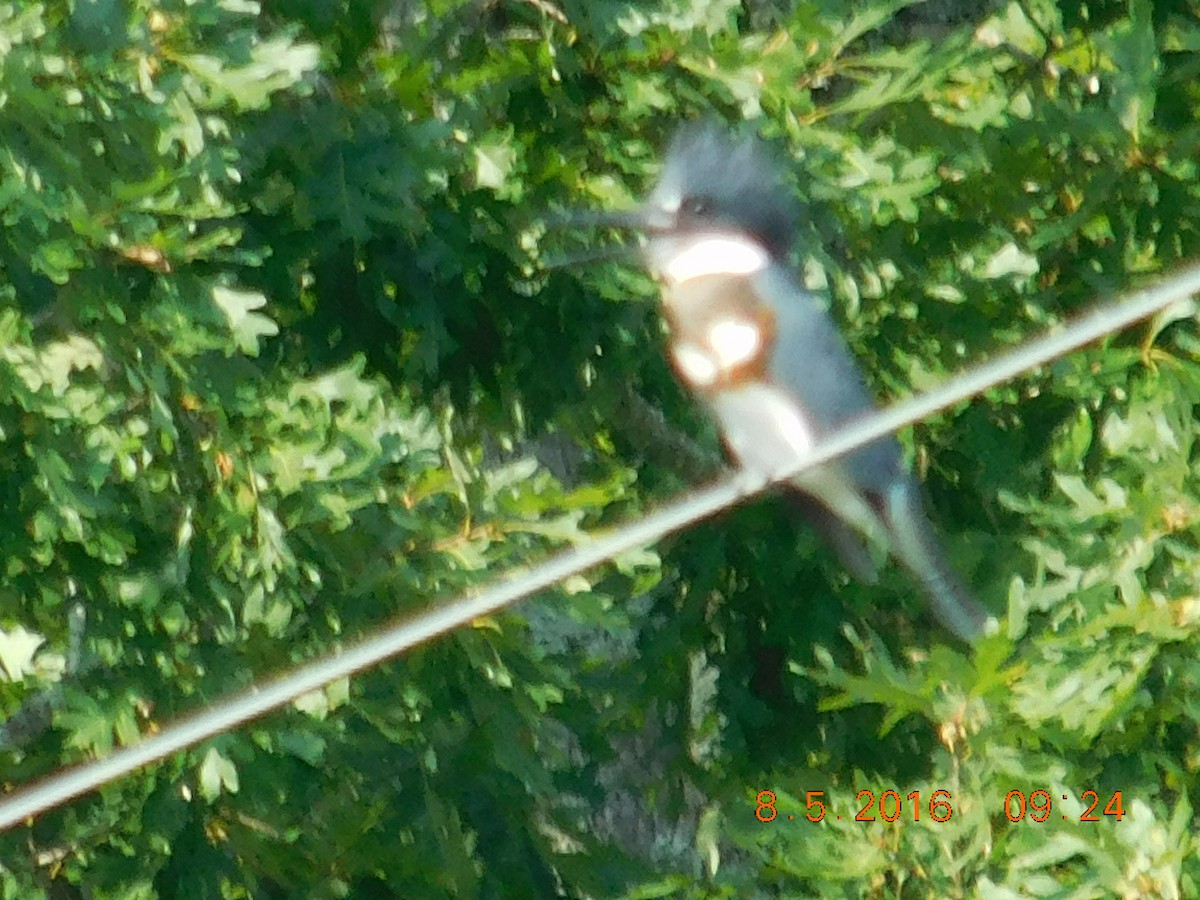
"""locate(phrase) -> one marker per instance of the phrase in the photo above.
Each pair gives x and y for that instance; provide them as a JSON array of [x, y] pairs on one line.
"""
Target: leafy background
[[281, 357]]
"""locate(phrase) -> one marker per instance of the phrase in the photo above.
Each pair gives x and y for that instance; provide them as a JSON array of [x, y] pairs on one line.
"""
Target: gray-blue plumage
[[768, 360]]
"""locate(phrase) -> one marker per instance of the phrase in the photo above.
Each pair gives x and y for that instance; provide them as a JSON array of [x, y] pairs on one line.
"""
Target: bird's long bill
[[587, 257], [627, 219]]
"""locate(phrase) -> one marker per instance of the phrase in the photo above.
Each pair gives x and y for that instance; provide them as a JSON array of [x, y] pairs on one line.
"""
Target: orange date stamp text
[[889, 806]]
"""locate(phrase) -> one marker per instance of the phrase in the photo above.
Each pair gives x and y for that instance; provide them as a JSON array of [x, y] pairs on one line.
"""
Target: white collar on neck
[[728, 253]]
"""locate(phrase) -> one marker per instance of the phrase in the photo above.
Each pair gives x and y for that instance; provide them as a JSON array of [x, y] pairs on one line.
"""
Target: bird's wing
[[811, 362]]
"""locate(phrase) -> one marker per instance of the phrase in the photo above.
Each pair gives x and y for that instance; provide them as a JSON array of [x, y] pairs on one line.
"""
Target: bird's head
[[720, 207], [714, 182]]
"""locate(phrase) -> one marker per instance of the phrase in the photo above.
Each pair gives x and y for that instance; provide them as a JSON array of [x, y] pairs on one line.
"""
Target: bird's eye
[[698, 207]]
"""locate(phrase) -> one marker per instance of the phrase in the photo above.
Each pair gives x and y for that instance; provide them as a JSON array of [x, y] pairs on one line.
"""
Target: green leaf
[[1134, 79], [216, 775], [1010, 260], [494, 164], [247, 326], [274, 64], [17, 649]]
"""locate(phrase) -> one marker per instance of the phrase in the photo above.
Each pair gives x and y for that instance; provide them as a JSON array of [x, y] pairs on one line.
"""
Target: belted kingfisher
[[766, 358]]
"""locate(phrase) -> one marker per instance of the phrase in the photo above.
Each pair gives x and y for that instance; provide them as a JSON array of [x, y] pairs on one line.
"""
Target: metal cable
[[726, 492]]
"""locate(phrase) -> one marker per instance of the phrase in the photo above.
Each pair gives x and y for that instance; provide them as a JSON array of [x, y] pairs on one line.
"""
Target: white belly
[[767, 432]]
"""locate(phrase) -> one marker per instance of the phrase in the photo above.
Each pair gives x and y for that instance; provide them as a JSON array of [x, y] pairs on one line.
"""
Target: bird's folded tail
[[918, 548]]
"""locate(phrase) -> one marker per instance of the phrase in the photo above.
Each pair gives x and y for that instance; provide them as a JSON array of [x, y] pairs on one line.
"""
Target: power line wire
[[394, 639], [519, 584]]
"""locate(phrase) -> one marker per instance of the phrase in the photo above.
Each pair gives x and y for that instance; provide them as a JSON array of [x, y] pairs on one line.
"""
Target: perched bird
[[766, 358]]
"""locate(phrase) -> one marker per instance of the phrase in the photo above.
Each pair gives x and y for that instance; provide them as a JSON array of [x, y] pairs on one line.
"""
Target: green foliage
[[281, 357]]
